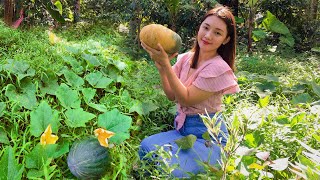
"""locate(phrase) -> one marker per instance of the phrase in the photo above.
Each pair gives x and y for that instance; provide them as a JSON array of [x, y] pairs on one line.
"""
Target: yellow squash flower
[[103, 136], [47, 137]]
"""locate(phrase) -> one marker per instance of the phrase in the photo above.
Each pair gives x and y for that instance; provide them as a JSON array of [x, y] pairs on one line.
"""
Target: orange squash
[[153, 34]]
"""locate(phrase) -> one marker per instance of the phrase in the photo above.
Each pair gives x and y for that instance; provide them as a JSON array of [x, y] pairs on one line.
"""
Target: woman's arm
[[172, 85]]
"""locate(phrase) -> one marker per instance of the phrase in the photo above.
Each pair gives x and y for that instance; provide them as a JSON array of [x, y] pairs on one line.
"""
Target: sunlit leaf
[[263, 102], [186, 142], [78, 117], [99, 107], [92, 60], [283, 119], [19, 68], [254, 139], [263, 155], [116, 122], [280, 164], [103, 136], [265, 88], [69, 98], [273, 24], [98, 80], [73, 79], [25, 95], [59, 6], [76, 66], [41, 117], [88, 94], [301, 98], [9, 168]]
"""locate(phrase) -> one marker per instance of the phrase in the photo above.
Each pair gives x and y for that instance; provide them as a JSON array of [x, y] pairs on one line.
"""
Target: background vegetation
[[66, 46]]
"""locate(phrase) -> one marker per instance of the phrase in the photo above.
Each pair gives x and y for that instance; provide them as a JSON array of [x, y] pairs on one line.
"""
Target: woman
[[197, 83]]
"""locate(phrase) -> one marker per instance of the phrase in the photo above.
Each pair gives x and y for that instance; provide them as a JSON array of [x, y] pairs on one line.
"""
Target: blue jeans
[[187, 159]]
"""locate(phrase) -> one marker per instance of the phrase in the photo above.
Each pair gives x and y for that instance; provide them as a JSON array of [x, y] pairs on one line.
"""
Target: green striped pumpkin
[[87, 159]]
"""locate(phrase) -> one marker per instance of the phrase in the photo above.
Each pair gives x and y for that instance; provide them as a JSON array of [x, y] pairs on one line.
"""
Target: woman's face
[[212, 33]]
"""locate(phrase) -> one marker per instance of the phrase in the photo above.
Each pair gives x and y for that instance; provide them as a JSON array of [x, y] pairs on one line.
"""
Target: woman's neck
[[204, 56]]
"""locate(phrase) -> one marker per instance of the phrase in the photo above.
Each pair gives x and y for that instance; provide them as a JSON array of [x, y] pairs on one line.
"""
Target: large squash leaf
[[9, 168], [116, 122], [78, 117], [98, 80], [25, 95], [19, 68], [69, 98], [41, 117]]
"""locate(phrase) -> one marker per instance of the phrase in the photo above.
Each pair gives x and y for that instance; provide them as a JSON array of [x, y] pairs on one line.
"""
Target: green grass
[[279, 121]]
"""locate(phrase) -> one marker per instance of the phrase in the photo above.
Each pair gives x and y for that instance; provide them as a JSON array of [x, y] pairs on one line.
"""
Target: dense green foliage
[[82, 76]]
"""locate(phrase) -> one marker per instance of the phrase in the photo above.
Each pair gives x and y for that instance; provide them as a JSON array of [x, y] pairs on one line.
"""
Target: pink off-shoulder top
[[213, 75]]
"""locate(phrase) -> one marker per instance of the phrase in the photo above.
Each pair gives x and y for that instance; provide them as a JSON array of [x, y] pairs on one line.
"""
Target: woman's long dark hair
[[228, 50]]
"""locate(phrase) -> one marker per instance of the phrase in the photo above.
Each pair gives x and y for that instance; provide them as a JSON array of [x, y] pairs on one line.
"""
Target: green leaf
[[41, 117], [88, 94], [264, 89], [282, 119], [289, 40], [120, 65], [263, 102], [78, 117], [92, 60], [252, 3], [186, 142], [25, 95], [206, 136], [143, 108], [19, 68], [98, 80], [49, 84], [254, 139], [73, 79], [2, 108], [39, 153], [99, 107], [258, 35], [301, 99], [69, 98], [116, 122], [9, 168], [297, 119], [59, 6], [273, 24], [315, 88], [3, 136], [55, 14], [76, 66]]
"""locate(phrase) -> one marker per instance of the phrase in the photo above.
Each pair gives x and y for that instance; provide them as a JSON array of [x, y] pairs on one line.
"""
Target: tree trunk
[[8, 11], [250, 28], [313, 9], [76, 10]]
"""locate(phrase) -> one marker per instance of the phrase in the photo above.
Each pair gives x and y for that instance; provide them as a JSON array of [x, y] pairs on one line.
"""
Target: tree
[[313, 9], [8, 11], [76, 11]]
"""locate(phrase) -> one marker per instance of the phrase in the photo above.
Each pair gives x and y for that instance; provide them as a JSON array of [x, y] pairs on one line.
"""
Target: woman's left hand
[[160, 57]]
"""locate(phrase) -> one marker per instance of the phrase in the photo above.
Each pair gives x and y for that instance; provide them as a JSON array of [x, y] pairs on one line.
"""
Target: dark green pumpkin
[[87, 159]]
